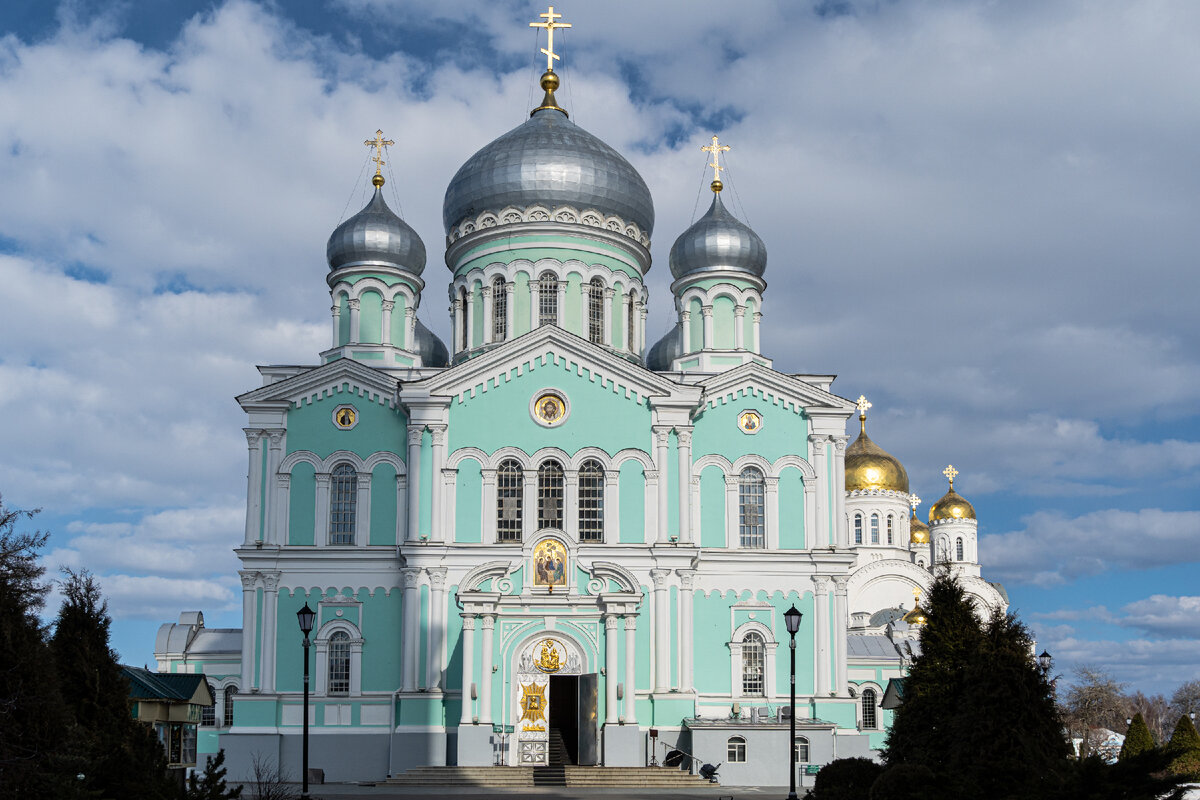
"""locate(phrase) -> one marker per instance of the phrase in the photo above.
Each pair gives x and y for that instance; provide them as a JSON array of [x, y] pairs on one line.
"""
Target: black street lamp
[[791, 618], [305, 616], [1044, 661]]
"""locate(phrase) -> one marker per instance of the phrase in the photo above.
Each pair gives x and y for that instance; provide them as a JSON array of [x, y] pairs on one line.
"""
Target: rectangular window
[[736, 752], [591, 503], [499, 311], [547, 300], [343, 501], [510, 485], [801, 748]]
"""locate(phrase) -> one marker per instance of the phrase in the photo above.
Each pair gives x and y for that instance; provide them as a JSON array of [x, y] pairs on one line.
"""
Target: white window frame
[[321, 644], [735, 654], [736, 750], [862, 701]]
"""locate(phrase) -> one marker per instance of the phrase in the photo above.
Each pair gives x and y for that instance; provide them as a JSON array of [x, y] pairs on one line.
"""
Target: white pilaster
[[685, 318], [819, 443], [570, 510], [249, 637], [413, 467], [468, 666], [437, 531], [709, 340], [336, 312], [733, 531], [410, 642], [254, 444], [661, 441], [385, 331], [355, 322], [410, 328], [270, 617], [662, 631], [821, 633], [771, 500], [840, 535], [562, 302], [626, 317], [488, 323], [840, 621], [611, 711], [401, 506], [470, 320], [739, 327], [684, 436], [509, 312], [274, 456], [630, 669], [757, 327], [437, 627], [534, 315], [362, 513], [485, 696], [489, 510], [456, 313], [529, 509], [687, 633], [609, 294], [321, 523], [612, 506], [283, 492], [652, 533]]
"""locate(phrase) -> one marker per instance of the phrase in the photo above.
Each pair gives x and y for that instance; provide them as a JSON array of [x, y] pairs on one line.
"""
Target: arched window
[[958, 549], [735, 752], [869, 719], [921, 562], [499, 310], [550, 495], [547, 299], [591, 501], [510, 488], [800, 746], [751, 503], [230, 693], [943, 549], [753, 665], [339, 663], [596, 311], [343, 504], [874, 529], [463, 344], [891, 522], [858, 532], [629, 331], [208, 714]]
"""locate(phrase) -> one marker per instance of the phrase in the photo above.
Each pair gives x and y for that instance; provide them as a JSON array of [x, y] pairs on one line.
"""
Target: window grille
[[339, 663], [510, 487], [753, 664], [343, 504], [874, 529], [751, 502], [499, 311], [869, 719], [230, 693], [591, 502], [550, 495], [958, 549], [629, 324], [800, 746], [462, 320], [547, 299], [735, 753], [596, 311], [858, 529], [890, 527], [208, 714]]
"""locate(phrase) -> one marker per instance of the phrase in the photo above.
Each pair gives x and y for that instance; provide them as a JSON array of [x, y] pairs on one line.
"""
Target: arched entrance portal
[[556, 703]]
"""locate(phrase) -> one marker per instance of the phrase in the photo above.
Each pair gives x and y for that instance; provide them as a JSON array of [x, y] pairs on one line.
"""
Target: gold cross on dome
[[914, 501], [378, 143], [716, 149], [550, 26], [916, 594], [950, 472], [863, 404]]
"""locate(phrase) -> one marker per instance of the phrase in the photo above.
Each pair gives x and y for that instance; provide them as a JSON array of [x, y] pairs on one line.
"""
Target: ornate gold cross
[[550, 25], [862, 405], [914, 501], [378, 143], [950, 472], [916, 594], [716, 149]]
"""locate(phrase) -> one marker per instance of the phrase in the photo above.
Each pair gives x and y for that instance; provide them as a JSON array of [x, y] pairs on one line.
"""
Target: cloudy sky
[[985, 216]]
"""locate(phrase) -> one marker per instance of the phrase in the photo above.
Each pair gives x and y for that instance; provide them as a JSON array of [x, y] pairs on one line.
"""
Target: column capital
[[253, 435], [686, 315], [651, 475], [840, 442], [839, 585], [411, 577], [610, 622], [439, 434], [631, 622], [659, 576], [336, 310], [818, 442], [820, 584], [388, 305], [249, 580], [322, 479], [687, 578], [509, 287], [706, 310], [685, 436], [354, 303], [437, 578], [270, 581], [609, 292], [468, 621], [739, 311], [283, 480], [276, 436], [489, 622], [661, 432], [415, 434], [771, 483], [758, 316], [409, 312]]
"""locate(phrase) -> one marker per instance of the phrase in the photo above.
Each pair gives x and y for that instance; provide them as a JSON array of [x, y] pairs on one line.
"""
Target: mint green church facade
[[549, 536]]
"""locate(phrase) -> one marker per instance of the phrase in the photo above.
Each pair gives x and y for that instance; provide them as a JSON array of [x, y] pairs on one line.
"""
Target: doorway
[[573, 719]]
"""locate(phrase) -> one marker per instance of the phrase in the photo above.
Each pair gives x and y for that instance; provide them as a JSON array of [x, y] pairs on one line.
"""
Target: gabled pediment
[[336, 377], [777, 387]]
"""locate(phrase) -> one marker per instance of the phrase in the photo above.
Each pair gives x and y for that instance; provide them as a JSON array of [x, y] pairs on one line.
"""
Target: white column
[[283, 490], [810, 513], [489, 510], [413, 468], [685, 484], [410, 328], [488, 323], [662, 631], [650, 523], [437, 532], [470, 311], [456, 314], [841, 536], [533, 304], [562, 300], [354, 320], [485, 696], [270, 619], [401, 506], [757, 326], [509, 312], [336, 311], [733, 530], [410, 642], [611, 712], [627, 339], [612, 506], [840, 621], [321, 523], [687, 578], [641, 328], [630, 669], [771, 500], [609, 294], [685, 318], [274, 456], [468, 666], [709, 341], [249, 642], [818, 443], [821, 633], [437, 627], [362, 515], [661, 434], [448, 524], [739, 327], [385, 331], [570, 509], [529, 509], [254, 443]]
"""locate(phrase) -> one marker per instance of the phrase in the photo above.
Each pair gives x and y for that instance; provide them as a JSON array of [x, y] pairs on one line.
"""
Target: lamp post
[[791, 618], [305, 616], [1044, 661]]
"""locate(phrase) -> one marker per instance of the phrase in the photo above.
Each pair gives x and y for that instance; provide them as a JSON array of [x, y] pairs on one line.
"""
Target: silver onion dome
[[665, 350], [718, 241], [375, 236], [426, 344], [551, 161]]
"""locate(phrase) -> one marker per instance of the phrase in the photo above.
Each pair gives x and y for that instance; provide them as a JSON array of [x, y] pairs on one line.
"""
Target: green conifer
[[1183, 749], [211, 784], [1137, 739]]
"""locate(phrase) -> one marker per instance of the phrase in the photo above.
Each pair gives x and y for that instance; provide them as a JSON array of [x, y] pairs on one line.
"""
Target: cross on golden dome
[[550, 25], [950, 472], [378, 143], [914, 501], [716, 148]]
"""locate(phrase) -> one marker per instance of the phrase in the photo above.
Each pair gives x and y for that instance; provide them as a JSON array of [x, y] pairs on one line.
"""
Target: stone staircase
[[553, 775]]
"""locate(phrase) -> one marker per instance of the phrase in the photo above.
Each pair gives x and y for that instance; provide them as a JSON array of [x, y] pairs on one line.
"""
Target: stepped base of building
[[527, 777]]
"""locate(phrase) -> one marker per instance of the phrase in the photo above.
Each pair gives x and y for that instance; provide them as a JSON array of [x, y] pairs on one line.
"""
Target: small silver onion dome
[[426, 344], [551, 161], [718, 241], [375, 236], [665, 350]]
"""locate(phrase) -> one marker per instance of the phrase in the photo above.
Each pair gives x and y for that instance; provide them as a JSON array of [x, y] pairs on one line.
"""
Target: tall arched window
[[208, 714], [870, 720], [463, 344], [510, 488], [339, 663], [943, 549], [735, 750], [891, 536], [754, 662], [591, 501], [751, 503], [874, 529], [958, 549], [547, 299], [343, 504], [550, 495], [858, 529], [230, 693], [629, 330], [596, 311], [499, 310]]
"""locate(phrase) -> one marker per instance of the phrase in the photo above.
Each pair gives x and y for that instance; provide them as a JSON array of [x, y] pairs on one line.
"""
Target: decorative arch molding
[[631, 454], [497, 571], [546, 453], [581, 657], [753, 626], [299, 457], [603, 571], [806, 469], [355, 290], [504, 453], [384, 457], [321, 644], [888, 569], [587, 453], [753, 460], [343, 457], [334, 625], [570, 215], [712, 460], [464, 453]]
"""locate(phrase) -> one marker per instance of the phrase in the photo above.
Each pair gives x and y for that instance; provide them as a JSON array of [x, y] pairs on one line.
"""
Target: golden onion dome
[[918, 531], [869, 466], [952, 505], [916, 616]]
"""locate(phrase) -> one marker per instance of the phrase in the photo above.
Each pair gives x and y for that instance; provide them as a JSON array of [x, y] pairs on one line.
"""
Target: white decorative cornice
[[567, 215]]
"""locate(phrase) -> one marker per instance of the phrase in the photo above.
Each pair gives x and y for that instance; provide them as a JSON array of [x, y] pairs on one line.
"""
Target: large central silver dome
[[551, 161]]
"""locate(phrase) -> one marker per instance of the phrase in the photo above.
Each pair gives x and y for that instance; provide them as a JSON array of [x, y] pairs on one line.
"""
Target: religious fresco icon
[[533, 707], [550, 564]]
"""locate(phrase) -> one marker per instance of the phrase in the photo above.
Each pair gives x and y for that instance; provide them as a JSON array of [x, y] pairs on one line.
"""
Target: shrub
[[846, 779]]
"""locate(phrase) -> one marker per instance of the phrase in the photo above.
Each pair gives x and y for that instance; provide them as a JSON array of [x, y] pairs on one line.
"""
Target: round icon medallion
[[549, 408], [750, 421]]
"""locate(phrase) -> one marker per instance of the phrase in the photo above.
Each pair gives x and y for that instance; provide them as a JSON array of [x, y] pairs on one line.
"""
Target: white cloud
[[157, 598], [1164, 615]]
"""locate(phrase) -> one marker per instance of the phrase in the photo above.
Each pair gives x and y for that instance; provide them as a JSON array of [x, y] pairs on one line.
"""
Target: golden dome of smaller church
[[869, 466], [918, 531], [952, 505], [917, 615]]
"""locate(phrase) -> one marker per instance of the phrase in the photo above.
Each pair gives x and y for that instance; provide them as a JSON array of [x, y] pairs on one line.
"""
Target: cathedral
[[553, 540]]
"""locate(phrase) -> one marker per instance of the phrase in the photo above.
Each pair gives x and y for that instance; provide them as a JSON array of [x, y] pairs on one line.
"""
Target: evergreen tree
[[211, 785], [1137, 739], [1183, 749]]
